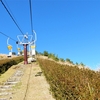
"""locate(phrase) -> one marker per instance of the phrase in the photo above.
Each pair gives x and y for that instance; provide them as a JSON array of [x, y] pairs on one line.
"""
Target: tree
[[56, 58], [21, 52], [68, 60], [45, 53], [13, 53], [50, 55], [82, 64], [61, 59], [37, 52], [76, 63]]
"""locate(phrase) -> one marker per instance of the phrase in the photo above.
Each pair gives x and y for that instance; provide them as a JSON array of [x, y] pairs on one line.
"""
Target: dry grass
[[8, 74], [36, 88], [5, 56]]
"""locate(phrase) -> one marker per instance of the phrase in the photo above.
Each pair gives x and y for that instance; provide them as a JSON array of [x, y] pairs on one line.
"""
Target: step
[[5, 89], [11, 83], [6, 86], [5, 93], [4, 99]]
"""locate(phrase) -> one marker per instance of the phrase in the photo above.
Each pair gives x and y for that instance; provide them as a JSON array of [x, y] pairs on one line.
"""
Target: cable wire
[[7, 36], [30, 4], [11, 17], [10, 11]]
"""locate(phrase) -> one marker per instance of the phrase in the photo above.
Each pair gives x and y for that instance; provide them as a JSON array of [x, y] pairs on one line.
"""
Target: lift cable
[[7, 36], [30, 4], [11, 17], [10, 11]]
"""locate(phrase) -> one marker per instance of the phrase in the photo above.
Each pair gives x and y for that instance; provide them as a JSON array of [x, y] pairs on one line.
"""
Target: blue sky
[[67, 28]]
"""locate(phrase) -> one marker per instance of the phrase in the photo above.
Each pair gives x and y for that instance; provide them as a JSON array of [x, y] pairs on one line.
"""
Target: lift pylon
[[25, 40]]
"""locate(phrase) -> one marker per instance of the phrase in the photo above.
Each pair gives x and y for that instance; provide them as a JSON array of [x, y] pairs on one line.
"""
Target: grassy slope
[[71, 83], [7, 74]]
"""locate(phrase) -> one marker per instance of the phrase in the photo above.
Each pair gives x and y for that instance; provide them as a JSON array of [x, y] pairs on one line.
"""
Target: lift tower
[[25, 40]]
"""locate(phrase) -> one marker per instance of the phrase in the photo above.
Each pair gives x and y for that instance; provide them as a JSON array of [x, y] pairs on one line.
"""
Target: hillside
[[71, 82], [69, 63], [24, 82], [4, 56], [67, 81]]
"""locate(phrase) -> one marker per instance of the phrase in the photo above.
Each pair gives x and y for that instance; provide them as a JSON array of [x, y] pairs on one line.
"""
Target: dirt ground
[[33, 85]]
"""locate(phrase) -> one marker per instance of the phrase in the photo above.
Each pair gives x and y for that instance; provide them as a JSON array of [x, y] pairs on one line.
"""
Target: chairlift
[[9, 48], [32, 47], [18, 49]]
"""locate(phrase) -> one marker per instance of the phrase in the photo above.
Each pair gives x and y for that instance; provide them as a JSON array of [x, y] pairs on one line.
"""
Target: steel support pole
[[25, 54]]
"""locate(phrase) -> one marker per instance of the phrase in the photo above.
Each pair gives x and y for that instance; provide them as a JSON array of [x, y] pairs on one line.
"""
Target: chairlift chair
[[9, 48]]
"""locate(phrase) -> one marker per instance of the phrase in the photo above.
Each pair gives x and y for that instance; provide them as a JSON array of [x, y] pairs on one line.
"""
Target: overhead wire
[[7, 36], [12, 17], [30, 5], [10, 10]]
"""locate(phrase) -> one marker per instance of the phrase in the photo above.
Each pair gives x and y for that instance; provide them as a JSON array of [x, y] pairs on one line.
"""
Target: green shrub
[[5, 64], [45, 53]]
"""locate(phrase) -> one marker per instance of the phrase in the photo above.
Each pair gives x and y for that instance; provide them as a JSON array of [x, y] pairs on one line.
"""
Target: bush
[[45, 53], [5, 64]]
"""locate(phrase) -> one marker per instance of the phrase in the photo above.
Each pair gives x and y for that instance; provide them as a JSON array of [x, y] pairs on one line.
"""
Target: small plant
[[17, 86]]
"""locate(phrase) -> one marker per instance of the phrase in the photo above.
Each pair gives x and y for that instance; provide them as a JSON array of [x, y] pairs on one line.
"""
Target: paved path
[[33, 85]]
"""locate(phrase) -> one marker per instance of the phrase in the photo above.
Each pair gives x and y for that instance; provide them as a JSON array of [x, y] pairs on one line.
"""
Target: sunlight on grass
[[7, 74]]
